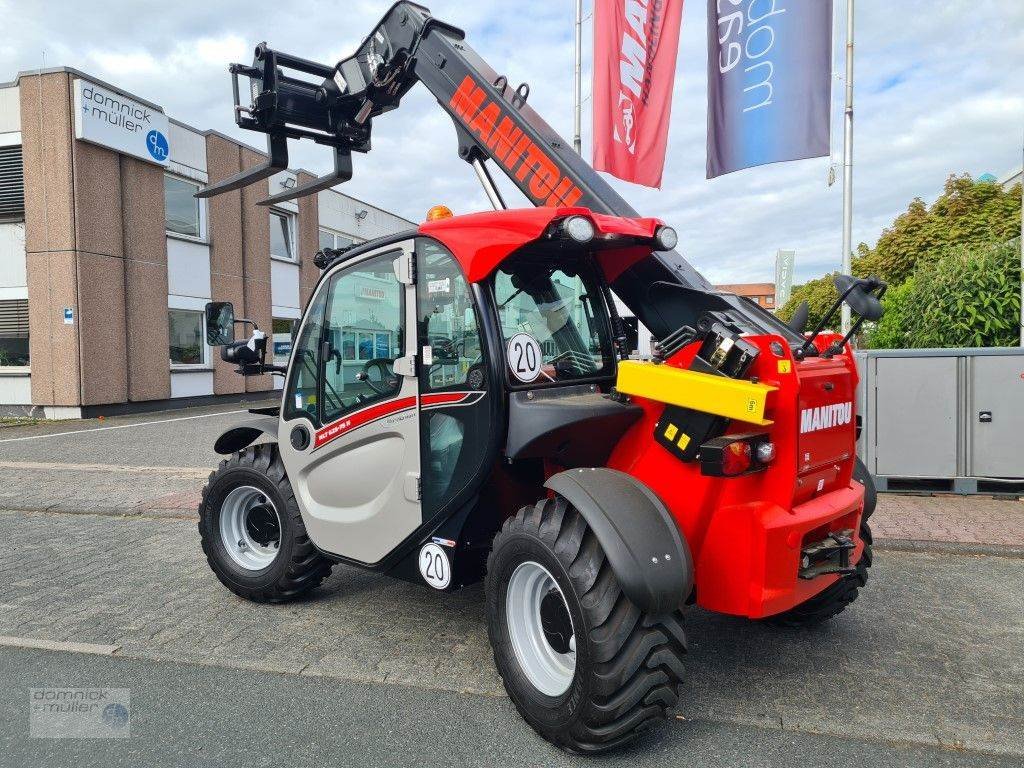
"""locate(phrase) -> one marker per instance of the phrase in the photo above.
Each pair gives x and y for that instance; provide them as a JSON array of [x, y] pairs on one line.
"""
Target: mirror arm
[[802, 352], [837, 346]]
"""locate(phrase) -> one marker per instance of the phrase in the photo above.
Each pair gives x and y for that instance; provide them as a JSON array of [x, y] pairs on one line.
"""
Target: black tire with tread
[[836, 598], [630, 667], [298, 567]]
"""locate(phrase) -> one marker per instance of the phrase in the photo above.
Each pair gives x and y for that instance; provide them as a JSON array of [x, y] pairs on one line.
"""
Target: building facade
[[107, 258], [762, 293]]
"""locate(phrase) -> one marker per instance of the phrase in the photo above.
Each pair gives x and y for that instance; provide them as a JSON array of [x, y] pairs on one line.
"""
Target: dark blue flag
[[769, 82]]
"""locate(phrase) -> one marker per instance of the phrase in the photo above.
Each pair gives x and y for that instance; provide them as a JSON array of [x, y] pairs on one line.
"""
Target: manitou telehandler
[[459, 405]]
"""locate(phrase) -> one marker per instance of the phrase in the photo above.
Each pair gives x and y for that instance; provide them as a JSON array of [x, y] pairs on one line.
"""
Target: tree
[[967, 213], [820, 295]]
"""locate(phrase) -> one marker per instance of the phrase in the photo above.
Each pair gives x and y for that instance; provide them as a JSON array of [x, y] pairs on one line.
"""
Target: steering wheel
[[379, 375]]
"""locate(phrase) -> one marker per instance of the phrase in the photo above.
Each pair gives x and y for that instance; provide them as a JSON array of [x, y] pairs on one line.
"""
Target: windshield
[[554, 311]]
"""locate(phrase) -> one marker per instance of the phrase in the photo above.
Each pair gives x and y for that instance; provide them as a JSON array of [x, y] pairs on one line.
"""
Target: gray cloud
[[938, 88]]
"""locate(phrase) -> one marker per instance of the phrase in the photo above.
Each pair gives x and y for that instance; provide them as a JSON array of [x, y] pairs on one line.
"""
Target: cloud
[[938, 90]]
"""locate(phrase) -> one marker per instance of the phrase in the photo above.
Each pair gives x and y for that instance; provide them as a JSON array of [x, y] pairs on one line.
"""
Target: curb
[[950, 548]]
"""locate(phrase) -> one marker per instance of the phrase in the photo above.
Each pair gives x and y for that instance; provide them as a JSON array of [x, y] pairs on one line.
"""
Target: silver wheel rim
[[550, 671], [250, 547]]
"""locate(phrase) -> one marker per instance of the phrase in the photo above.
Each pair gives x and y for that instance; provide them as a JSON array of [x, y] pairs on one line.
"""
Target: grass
[[17, 421]]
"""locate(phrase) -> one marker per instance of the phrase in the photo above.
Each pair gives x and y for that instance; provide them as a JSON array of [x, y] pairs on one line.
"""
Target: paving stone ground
[[930, 654], [101, 467]]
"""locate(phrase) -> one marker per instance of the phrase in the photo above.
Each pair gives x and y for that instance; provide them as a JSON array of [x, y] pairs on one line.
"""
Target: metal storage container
[[943, 419]]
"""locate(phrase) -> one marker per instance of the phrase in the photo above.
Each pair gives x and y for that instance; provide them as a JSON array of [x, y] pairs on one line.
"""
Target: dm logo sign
[[156, 143], [115, 120]]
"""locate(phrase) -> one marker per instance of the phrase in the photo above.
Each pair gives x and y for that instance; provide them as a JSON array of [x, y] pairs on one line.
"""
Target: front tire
[[252, 531], [617, 672]]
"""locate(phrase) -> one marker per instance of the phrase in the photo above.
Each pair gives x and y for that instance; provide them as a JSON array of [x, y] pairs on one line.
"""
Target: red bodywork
[[745, 533]]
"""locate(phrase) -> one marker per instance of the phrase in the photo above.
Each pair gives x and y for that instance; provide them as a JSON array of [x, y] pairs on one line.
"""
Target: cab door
[[349, 432]]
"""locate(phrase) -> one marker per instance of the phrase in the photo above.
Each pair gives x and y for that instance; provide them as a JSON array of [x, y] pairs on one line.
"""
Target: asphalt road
[[189, 716]]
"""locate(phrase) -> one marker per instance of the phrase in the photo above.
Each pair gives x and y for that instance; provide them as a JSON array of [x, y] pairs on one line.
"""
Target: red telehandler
[[459, 405]]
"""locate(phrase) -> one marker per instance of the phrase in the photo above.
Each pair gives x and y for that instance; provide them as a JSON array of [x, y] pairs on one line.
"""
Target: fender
[[645, 548], [246, 433]]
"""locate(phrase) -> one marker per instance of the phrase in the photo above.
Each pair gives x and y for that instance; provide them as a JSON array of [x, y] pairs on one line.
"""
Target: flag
[[769, 82], [635, 45]]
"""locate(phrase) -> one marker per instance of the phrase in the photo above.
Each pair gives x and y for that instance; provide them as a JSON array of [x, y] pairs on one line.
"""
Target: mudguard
[[645, 548], [246, 433]]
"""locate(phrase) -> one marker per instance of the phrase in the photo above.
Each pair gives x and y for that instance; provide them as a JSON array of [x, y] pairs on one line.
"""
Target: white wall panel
[[191, 383], [16, 389], [341, 212], [284, 283], [188, 268], [188, 147], [10, 110], [13, 284]]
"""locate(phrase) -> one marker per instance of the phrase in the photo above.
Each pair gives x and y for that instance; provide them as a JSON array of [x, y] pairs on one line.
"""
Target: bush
[[891, 331], [968, 297]]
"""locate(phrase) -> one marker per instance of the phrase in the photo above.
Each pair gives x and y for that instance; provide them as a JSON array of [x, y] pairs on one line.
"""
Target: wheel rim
[[250, 528], [540, 627]]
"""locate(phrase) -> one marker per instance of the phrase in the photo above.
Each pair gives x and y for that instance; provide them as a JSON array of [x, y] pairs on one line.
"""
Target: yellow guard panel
[[719, 395]]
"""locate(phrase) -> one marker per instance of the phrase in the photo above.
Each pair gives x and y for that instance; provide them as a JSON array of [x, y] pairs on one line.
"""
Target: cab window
[[447, 320], [354, 330], [561, 307], [363, 335]]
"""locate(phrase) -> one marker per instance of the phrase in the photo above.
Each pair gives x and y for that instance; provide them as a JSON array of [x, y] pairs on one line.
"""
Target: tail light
[[733, 455]]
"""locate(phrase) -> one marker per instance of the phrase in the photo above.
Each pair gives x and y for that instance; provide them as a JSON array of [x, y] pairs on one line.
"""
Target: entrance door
[[352, 387]]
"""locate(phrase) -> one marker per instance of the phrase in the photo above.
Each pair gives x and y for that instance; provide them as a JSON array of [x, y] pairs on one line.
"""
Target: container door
[[997, 416], [915, 419]]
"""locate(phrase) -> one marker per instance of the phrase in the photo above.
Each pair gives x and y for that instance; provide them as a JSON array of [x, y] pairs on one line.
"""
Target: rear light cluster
[[733, 455]]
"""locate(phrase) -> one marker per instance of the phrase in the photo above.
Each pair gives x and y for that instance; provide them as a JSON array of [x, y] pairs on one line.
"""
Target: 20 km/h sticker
[[435, 568], [524, 357]]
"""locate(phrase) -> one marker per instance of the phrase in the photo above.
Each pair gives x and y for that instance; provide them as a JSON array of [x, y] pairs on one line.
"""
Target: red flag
[[635, 45]]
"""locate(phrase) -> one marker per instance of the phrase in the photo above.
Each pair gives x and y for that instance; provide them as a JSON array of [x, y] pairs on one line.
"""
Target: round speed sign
[[524, 357]]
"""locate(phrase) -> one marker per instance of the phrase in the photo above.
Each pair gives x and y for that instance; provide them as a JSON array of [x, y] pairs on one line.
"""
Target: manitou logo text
[[537, 174], [636, 62], [825, 417]]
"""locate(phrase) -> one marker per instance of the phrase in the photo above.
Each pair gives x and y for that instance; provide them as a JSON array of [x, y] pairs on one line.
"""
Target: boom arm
[[492, 121]]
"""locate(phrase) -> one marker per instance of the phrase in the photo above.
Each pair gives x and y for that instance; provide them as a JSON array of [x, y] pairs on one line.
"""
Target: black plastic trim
[[246, 433], [644, 546]]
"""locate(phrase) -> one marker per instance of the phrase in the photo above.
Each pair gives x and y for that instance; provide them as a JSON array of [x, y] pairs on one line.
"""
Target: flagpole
[[848, 160], [577, 140]]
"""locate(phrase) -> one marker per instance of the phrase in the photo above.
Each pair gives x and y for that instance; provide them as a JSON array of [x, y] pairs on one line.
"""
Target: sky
[[939, 88]]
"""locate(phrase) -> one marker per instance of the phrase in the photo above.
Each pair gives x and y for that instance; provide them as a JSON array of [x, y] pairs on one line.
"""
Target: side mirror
[[220, 323], [859, 297], [798, 322]]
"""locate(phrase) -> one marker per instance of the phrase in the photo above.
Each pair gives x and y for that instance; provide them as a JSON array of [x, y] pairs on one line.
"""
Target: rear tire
[[626, 667], [243, 499], [835, 598]]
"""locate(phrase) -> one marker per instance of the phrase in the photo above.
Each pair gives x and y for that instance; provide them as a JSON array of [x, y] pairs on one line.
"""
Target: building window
[[181, 207], [12, 184], [331, 239], [187, 337], [282, 339], [282, 235], [13, 333], [769, 301]]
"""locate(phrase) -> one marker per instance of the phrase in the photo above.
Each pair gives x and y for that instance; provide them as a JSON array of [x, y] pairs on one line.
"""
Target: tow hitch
[[830, 555]]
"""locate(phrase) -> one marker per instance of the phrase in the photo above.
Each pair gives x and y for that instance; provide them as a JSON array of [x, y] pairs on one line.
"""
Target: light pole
[[577, 139], [848, 160]]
